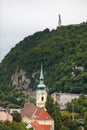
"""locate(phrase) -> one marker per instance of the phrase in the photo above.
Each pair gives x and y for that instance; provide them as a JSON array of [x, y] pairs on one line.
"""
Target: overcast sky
[[20, 18]]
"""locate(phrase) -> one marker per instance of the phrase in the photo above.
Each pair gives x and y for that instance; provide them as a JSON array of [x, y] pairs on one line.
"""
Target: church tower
[[41, 93]]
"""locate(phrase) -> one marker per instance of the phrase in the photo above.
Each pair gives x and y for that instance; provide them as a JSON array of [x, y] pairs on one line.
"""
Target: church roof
[[43, 115], [37, 126], [41, 84], [32, 111]]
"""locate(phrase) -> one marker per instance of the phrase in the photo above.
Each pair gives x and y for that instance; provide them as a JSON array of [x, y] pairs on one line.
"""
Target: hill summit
[[63, 53]]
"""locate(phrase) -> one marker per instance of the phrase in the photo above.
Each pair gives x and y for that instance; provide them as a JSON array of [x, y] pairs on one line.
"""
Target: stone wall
[[64, 98]]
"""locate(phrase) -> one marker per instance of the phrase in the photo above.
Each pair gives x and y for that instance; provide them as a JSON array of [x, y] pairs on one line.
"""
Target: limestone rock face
[[19, 80]]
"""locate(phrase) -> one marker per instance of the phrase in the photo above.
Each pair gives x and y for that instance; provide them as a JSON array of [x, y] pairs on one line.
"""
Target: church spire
[[41, 85], [41, 94]]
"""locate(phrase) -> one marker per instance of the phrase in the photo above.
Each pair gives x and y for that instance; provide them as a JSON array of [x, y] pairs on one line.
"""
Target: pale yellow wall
[[27, 120], [42, 122], [39, 95], [46, 122]]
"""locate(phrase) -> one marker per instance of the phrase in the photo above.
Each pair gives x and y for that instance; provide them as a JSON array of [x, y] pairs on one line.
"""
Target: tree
[[49, 105], [54, 110], [85, 120], [64, 128], [16, 116], [74, 125], [66, 118], [13, 126], [57, 117]]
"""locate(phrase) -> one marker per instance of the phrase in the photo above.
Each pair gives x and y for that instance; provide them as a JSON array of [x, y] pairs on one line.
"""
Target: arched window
[[42, 98]]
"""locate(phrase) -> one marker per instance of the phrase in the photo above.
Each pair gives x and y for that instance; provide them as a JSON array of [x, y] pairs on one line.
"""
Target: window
[[42, 99]]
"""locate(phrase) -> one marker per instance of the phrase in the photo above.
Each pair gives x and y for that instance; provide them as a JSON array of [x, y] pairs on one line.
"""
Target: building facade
[[33, 114], [64, 98], [5, 116], [36, 115]]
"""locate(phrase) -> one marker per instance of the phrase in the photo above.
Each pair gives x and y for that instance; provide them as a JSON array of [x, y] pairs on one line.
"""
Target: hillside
[[59, 50]]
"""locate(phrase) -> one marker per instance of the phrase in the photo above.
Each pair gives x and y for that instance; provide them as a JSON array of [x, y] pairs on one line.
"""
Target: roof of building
[[37, 126], [43, 115], [5, 116], [32, 111], [41, 84]]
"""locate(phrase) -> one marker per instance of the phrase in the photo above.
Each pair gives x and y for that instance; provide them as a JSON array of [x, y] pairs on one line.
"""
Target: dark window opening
[[42, 99]]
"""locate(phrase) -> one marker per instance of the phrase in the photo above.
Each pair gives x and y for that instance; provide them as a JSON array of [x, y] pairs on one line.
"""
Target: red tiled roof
[[46, 127], [43, 115], [30, 110], [37, 126], [34, 112]]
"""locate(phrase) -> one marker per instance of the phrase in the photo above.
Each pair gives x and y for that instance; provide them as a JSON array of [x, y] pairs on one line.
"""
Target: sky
[[21, 18]]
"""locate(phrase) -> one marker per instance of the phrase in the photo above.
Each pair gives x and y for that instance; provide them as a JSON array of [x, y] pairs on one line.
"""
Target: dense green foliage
[[54, 110], [11, 98], [16, 116], [80, 107], [59, 50], [74, 126], [13, 126], [64, 120], [85, 120], [49, 105]]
